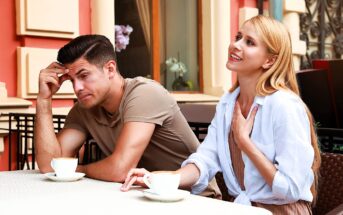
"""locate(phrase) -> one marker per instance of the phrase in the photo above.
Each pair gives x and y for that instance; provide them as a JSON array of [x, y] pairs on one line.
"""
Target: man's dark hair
[[96, 49]]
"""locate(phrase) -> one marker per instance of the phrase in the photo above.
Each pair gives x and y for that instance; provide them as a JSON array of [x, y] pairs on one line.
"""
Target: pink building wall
[[9, 41]]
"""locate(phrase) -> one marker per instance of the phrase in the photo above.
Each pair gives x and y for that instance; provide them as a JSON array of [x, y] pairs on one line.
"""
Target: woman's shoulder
[[284, 99]]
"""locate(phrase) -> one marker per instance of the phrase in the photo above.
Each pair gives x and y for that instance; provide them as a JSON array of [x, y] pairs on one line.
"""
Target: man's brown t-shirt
[[147, 101]]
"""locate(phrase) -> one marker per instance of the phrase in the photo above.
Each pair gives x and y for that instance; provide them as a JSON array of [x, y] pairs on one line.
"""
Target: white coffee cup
[[64, 166], [162, 183]]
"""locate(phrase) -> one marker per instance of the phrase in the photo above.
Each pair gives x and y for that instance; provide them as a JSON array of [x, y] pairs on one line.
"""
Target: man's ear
[[269, 62], [111, 68]]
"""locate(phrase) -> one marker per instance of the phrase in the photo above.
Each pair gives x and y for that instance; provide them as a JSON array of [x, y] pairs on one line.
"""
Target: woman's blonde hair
[[281, 74]]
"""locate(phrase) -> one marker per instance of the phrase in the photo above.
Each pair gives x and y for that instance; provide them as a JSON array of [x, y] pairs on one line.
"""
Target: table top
[[29, 192]]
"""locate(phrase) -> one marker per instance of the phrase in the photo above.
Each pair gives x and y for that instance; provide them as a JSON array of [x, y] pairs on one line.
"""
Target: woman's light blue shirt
[[281, 132]]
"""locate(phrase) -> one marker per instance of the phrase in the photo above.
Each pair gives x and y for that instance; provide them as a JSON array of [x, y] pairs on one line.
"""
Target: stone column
[[292, 9], [103, 18], [216, 39]]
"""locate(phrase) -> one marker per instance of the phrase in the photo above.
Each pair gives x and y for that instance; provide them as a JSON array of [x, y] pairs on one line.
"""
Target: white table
[[29, 192]]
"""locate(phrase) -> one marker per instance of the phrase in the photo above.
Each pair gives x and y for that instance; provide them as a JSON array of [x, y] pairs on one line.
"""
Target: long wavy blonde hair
[[281, 75]]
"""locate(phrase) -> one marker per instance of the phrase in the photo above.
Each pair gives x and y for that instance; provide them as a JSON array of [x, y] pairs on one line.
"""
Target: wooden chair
[[330, 192]]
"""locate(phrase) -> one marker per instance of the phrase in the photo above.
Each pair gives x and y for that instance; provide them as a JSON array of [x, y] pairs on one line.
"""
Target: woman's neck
[[247, 94]]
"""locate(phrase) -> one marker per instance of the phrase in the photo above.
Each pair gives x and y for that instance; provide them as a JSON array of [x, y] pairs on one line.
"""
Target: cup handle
[[146, 180], [52, 164]]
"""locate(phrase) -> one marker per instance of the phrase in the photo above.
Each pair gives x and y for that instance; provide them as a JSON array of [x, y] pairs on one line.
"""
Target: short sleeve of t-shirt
[[74, 120], [147, 101]]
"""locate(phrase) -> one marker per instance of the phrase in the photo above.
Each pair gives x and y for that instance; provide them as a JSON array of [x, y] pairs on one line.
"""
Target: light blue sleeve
[[294, 152], [206, 158]]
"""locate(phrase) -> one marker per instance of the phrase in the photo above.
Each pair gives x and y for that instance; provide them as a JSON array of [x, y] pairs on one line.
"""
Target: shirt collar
[[232, 97]]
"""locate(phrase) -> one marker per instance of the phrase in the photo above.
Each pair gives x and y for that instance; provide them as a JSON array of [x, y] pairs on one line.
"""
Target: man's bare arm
[[133, 140], [46, 143]]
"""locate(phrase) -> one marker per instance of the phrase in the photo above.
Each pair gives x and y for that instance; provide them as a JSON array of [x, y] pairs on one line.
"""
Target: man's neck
[[114, 97]]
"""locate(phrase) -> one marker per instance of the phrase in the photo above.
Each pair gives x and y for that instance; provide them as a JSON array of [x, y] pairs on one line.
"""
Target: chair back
[[334, 68], [330, 191], [316, 93], [199, 117]]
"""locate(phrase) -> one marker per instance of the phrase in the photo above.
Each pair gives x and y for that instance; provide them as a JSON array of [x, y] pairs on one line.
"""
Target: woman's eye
[[250, 42], [238, 37]]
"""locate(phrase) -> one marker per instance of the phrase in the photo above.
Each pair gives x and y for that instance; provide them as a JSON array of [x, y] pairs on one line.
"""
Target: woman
[[262, 136]]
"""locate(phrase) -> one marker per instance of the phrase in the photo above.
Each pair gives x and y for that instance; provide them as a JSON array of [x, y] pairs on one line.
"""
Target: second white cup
[[162, 183]]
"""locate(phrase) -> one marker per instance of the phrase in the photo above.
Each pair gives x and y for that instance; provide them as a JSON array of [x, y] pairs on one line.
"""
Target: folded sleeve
[[206, 159]]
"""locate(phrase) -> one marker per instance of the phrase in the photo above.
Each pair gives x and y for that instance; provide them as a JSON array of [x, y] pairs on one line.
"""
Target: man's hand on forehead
[[65, 76]]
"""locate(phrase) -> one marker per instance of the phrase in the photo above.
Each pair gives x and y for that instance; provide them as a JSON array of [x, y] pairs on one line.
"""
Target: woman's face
[[248, 53]]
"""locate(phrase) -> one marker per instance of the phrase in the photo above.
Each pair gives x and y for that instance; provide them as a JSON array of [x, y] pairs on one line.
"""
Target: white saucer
[[76, 176], [173, 197]]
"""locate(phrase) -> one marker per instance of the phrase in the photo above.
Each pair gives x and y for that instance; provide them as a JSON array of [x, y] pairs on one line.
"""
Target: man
[[135, 122]]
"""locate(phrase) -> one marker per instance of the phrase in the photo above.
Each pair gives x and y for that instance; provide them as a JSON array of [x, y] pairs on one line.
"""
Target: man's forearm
[[46, 143], [106, 170]]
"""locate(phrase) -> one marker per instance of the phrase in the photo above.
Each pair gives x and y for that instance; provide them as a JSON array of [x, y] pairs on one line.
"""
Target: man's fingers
[[63, 78], [56, 65], [52, 80]]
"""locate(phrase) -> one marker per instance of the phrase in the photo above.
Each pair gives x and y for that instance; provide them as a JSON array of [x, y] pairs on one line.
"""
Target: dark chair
[[199, 117], [330, 192], [223, 188], [334, 68], [198, 112], [200, 129], [318, 96]]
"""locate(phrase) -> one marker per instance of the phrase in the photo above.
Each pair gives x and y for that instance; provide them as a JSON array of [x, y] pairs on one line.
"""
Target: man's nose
[[78, 86]]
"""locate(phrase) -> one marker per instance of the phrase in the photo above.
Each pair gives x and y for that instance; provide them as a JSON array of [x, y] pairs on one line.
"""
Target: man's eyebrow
[[78, 72]]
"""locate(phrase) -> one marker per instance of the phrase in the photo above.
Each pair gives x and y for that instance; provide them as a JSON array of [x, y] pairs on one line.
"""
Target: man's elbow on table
[[43, 164]]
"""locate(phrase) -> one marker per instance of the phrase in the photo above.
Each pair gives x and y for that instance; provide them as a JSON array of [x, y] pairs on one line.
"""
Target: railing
[[21, 127], [322, 29]]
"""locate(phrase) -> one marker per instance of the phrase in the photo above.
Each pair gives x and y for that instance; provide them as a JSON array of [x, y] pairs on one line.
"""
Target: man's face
[[91, 84]]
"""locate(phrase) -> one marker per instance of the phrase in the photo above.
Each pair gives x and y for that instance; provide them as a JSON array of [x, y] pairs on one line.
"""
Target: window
[[162, 30]]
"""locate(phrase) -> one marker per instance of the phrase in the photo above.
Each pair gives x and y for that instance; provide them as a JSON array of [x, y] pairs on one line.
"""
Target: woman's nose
[[237, 44]]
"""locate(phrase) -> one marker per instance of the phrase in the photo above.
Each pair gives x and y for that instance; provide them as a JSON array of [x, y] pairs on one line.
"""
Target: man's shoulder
[[141, 86], [132, 83]]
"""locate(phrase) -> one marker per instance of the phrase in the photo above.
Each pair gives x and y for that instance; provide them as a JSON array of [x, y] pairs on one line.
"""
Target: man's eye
[[83, 76]]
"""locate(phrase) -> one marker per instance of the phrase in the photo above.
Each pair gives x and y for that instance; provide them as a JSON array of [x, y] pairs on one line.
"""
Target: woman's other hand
[[242, 127], [134, 176]]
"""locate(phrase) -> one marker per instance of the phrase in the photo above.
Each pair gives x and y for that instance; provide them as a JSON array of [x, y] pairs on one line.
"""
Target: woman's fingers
[[134, 176], [129, 181]]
